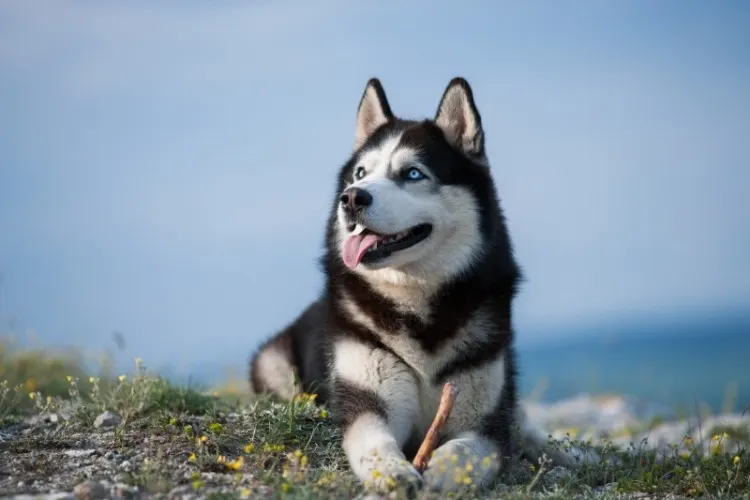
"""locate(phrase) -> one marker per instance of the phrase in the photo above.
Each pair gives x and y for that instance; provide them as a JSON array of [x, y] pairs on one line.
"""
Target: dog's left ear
[[457, 115]]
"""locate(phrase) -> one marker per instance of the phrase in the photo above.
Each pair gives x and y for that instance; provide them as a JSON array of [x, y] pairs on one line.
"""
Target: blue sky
[[166, 168]]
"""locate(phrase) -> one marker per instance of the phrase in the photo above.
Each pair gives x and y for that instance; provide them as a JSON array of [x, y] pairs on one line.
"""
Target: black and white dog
[[420, 279]]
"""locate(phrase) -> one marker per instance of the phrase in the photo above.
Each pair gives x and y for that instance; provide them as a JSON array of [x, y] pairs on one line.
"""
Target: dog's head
[[416, 197]]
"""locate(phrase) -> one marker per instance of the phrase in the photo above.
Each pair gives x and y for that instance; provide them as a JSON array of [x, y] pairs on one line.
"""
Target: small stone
[[181, 492], [90, 490], [79, 453], [107, 419], [557, 476], [20, 484], [125, 491], [58, 496]]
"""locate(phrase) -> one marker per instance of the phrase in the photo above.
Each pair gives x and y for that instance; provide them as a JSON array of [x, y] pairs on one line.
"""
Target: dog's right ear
[[373, 112], [457, 115]]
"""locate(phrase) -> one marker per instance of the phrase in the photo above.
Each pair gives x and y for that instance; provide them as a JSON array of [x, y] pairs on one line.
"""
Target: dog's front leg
[[375, 401]]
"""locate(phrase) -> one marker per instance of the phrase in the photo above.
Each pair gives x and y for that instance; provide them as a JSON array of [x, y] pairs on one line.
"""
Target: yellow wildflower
[[326, 479], [216, 427], [324, 413], [204, 438], [688, 441], [192, 457], [92, 380], [123, 378], [172, 421], [736, 460], [31, 395], [236, 464], [245, 493], [285, 487], [249, 448], [70, 378]]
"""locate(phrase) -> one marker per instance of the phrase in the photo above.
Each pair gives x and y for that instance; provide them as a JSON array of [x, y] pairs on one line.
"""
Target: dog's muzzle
[[354, 201]]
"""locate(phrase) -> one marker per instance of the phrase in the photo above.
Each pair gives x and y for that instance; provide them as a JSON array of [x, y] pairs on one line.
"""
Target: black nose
[[355, 198]]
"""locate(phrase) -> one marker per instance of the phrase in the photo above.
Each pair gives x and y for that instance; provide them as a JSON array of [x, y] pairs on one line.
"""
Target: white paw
[[461, 464], [386, 470]]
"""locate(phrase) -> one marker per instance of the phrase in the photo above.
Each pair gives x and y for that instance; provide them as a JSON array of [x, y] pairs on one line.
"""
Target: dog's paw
[[388, 472], [461, 464]]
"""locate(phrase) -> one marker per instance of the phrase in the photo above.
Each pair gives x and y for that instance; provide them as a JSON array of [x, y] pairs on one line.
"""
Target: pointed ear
[[373, 112], [458, 117]]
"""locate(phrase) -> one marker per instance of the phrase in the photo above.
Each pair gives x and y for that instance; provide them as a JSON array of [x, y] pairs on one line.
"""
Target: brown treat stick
[[433, 433]]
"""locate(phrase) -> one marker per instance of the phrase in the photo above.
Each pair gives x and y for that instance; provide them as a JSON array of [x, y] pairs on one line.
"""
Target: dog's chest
[[479, 387]]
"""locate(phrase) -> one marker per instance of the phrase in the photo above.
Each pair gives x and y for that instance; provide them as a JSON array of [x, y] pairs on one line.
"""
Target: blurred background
[[166, 171]]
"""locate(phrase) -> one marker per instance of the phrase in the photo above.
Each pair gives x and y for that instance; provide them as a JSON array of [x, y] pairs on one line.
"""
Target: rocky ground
[[200, 447], [626, 422]]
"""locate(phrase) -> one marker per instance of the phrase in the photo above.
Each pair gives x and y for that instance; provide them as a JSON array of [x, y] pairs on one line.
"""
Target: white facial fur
[[451, 210]]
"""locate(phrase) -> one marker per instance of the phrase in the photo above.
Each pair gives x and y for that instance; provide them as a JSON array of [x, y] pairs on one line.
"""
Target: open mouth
[[367, 246]]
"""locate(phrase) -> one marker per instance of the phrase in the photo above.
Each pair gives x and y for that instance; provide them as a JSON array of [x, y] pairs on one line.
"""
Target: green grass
[[228, 444]]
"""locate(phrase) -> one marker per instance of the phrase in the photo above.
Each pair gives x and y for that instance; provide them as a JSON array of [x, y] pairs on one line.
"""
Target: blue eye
[[413, 174], [359, 173]]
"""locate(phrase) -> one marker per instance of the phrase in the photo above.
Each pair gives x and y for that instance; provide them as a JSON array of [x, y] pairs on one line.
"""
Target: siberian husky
[[420, 279]]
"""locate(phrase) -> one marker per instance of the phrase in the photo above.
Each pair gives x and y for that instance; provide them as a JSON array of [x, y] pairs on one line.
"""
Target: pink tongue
[[355, 247]]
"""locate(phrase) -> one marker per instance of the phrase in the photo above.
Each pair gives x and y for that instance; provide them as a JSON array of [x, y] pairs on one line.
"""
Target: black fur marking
[[349, 402], [477, 353], [499, 424]]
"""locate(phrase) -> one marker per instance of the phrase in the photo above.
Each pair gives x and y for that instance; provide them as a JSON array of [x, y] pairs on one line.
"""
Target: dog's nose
[[355, 198]]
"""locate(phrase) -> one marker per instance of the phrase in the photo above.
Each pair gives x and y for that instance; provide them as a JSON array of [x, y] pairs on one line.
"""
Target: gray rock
[[557, 476], [107, 419], [58, 496], [123, 490], [90, 490]]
